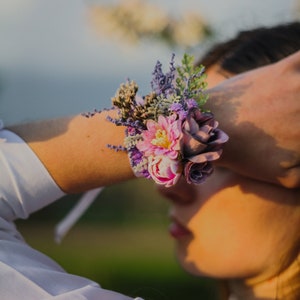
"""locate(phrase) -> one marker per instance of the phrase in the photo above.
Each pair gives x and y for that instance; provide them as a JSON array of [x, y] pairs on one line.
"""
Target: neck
[[282, 286]]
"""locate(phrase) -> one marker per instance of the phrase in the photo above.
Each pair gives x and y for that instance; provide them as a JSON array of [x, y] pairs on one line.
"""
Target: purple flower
[[179, 110], [136, 161], [201, 143], [197, 173], [135, 156], [191, 103]]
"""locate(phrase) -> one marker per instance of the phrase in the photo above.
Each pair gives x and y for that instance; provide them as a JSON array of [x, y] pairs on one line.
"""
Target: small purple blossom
[[132, 130], [136, 156], [136, 161], [191, 103], [179, 110]]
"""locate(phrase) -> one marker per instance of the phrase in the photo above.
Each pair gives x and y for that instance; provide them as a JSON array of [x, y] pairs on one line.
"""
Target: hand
[[260, 110]]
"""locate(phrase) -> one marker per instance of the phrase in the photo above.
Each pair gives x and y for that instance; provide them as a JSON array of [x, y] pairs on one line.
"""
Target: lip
[[177, 230]]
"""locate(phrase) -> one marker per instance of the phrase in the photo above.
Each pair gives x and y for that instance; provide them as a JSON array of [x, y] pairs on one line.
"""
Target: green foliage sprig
[[191, 80]]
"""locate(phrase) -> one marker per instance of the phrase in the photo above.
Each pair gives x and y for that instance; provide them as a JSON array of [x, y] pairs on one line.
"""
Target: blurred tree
[[131, 21]]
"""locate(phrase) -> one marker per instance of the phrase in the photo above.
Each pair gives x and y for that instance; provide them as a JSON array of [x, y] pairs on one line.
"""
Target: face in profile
[[231, 226]]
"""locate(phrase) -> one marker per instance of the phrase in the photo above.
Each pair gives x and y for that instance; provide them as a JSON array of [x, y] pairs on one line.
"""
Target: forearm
[[260, 112], [74, 151]]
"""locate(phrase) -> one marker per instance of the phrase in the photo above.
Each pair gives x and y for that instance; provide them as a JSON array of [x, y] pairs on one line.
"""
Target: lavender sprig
[[162, 84]]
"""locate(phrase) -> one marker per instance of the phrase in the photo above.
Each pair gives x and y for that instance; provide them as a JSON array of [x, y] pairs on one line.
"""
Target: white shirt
[[25, 273]]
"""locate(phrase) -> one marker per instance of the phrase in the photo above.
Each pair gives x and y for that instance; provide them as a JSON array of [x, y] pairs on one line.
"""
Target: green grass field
[[136, 260]]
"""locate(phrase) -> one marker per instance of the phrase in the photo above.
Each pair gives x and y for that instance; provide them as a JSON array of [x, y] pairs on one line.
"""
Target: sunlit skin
[[235, 227]]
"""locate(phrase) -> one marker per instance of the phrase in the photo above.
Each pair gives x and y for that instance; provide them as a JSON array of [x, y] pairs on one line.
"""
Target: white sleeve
[[28, 274], [26, 186]]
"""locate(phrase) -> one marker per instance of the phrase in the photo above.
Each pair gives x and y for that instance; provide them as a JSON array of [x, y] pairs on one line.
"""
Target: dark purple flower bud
[[197, 173]]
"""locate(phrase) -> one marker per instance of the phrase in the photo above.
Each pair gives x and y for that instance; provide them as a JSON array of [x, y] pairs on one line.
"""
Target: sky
[[53, 62]]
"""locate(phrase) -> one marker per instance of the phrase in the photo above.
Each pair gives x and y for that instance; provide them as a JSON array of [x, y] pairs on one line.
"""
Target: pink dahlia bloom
[[164, 170], [161, 137]]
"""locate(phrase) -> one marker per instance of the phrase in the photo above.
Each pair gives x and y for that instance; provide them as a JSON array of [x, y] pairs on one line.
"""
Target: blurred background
[[68, 57]]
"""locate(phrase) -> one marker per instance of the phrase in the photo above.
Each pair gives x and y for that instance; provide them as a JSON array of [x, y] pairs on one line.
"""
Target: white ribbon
[[63, 227]]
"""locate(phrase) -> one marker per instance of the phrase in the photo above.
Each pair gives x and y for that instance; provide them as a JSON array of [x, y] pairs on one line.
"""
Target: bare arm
[[74, 151], [260, 110]]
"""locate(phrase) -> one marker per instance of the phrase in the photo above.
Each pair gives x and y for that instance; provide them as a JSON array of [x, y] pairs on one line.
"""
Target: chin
[[187, 265], [204, 267], [192, 269]]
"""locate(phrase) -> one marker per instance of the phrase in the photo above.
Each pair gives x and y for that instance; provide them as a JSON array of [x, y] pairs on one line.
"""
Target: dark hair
[[254, 48]]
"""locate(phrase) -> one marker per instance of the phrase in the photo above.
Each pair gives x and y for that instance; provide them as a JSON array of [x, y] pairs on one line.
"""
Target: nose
[[181, 193]]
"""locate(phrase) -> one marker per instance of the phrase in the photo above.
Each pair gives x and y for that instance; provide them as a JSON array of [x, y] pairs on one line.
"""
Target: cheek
[[221, 245], [233, 235]]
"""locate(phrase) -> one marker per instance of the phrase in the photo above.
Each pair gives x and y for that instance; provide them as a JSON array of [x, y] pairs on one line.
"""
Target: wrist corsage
[[168, 132]]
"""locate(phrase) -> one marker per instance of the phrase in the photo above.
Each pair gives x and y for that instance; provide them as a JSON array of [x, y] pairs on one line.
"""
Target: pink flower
[[164, 170], [161, 137]]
